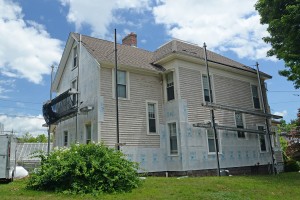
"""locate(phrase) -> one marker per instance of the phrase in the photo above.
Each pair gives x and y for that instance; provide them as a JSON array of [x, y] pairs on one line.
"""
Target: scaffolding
[[212, 125]]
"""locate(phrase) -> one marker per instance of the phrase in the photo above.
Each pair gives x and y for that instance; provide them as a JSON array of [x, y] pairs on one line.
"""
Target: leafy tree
[[41, 138], [85, 168], [283, 20], [29, 138], [290, 143]]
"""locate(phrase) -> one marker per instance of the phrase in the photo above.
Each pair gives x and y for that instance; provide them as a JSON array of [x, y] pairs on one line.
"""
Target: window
[[170, 86], [255, 96], [75, 57], [173, 138], [239, 124], [152, 118], [262, 139], [122, 88], [74, 96], [206, 88], [88, 131], [211, 141], [65, 138]]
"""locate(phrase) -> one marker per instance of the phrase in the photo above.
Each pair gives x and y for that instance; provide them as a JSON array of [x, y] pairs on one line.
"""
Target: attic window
[[75, 57]]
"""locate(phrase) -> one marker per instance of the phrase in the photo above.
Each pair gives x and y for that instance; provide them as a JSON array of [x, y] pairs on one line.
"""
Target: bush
[[91, 168], [291, 166]]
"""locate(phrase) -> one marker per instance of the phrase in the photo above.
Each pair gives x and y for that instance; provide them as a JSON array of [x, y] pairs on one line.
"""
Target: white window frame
[[127, 84], [64, 136], [265, 136], [169, 138], [156, 117], [258, 96], [75, 54], [219, 139], [244, 126], [74, 95], [166, 86], [212, 87], [86, 133]]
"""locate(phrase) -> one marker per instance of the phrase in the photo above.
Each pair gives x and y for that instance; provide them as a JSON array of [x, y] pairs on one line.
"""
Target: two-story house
[[161, 96]]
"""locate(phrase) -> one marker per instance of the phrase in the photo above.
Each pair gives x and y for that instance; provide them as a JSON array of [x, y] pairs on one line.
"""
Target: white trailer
[[8, 149]]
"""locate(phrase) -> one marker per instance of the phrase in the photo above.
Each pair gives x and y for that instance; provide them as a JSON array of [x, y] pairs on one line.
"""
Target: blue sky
[[33, 34]]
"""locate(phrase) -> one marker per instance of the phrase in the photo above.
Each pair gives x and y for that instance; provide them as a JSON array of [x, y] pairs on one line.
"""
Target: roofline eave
[[63, 61], [174, 55]]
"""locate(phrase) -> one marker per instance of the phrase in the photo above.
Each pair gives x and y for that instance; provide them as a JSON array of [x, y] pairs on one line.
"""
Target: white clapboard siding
[[132, 112]]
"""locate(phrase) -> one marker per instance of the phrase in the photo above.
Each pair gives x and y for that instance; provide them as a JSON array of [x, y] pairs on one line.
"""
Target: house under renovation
[[166, 100]]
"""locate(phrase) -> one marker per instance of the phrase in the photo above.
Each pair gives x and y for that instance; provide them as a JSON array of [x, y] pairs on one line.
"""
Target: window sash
[[239, 124], [206, 88], [173, 138], [262, 140], [88, 129], [152, 117], [65, 138], [170, 86], [255, 96], [122, 91], [122, 84], [74, 96], [75, 57], [211, 141]]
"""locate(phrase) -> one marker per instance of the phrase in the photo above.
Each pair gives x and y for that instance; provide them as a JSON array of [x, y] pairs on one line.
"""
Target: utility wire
[[284, 91], [20, 108], [1, 99], [285, 102], [20, 116]]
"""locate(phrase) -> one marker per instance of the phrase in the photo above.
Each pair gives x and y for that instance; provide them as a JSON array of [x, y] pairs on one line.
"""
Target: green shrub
[[291, 166], [91, 168]]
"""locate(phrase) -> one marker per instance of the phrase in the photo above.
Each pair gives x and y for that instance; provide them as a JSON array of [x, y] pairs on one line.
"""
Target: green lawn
[[284, 186]]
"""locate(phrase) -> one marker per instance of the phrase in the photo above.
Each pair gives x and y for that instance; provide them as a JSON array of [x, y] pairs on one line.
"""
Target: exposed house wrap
[[160, 98]]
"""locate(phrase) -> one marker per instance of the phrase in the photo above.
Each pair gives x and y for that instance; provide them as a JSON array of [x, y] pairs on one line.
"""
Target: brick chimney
[[130, 39]]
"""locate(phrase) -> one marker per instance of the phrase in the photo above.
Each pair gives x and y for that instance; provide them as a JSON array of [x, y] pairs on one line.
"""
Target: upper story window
[[239, 121], [122, 84], [255, 96], [173, 138], [75, 57], [152, 117], [170, 86], [206, 88], [262, 139], [74, 96]]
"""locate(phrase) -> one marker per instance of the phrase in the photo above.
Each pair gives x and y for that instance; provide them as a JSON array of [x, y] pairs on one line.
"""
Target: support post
[[212, 114], [267, 121], [117, 93], [49, 127]]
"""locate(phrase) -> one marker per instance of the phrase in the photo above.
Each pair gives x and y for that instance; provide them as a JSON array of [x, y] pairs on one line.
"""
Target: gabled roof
[[103, 52], [184, 48]]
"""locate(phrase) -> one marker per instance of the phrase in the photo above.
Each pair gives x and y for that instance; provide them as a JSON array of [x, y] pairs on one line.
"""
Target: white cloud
[[6, 86], [26, 49], [21, 125], [99, 14], [282, 113], [224, 25]]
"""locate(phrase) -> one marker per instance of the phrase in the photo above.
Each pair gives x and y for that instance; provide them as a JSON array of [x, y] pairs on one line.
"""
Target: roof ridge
[[126, 46]]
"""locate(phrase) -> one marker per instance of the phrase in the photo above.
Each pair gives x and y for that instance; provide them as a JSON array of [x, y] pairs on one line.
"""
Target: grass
[[283, 186]]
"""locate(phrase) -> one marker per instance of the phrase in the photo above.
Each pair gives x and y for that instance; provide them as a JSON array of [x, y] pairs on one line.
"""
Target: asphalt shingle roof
[[103, 51]]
